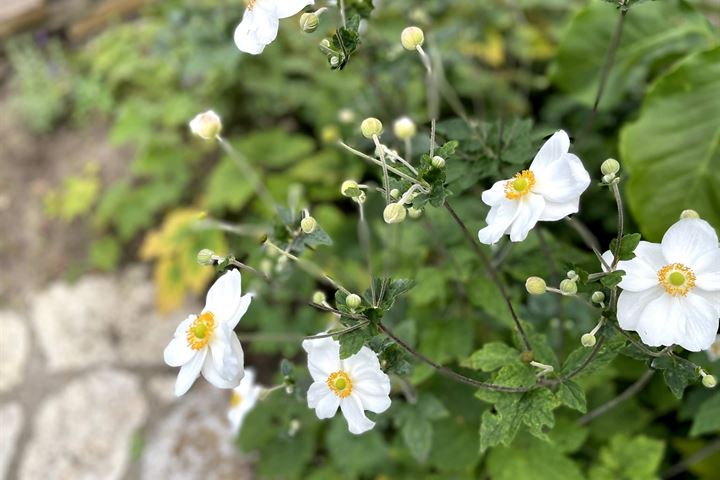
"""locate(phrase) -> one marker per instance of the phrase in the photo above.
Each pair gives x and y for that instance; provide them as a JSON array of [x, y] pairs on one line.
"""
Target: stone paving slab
[[14, 344], [11, 422]]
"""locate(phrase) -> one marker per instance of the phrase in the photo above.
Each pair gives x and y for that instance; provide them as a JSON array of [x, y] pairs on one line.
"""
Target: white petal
[[226, 354], [257, 29], [322, 400], [707, 271], [178, 352], [557, 211], [353, 411], [688, 240], [224, 297], [631, 305], [661, 322], [323, 357], [563, 180], [288, 8], [529, 211], [641, 272], [216, 377], [189, 373], [496, 193], [499, 220], [701, 324], [554, 148], [242, 309], [182, 329], [364, 359]]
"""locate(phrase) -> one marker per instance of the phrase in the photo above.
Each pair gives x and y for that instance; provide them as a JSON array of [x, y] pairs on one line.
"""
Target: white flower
[[244, 398], [671, 290], [261, 21], [548, 191], [355, 384], [207, 343], [714, 350]]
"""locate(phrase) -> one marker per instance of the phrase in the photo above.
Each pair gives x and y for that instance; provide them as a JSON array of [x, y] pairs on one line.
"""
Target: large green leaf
[[671, 152], [654, 33]]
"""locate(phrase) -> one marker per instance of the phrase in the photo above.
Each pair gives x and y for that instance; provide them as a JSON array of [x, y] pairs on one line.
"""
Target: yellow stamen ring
[[520, 185], [201, 331], [676, 279], [340, 384]]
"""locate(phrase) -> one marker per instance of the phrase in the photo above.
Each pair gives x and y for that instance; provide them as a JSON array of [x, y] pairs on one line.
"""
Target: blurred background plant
[[522, 68]]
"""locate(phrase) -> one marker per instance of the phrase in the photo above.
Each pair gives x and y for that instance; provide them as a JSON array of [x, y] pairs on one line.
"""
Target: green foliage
[[531, 459], [492, 356], [625, 458], [678, 374], [628, 244], [707, 418]]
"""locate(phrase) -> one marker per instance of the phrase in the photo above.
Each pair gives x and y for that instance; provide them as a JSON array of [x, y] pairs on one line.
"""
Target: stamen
[[340, 384], [250, 4], [235, 400], [676, 279], [521, 184], [201, 331]]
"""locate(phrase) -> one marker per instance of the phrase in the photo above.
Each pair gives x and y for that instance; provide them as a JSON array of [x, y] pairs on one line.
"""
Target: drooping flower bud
[[438, 162], [308, 225], [598, 297], [370, 127], [309, 22], [411, 38], [414, 213], [610, 167], [395, 193], [206, 125], [319, 297], [394, 213], [535, 285], [404, 128], [206, 257], [689, 214], [709, 381], [353, 301], [588, 340], [350, 188], [568, 287]]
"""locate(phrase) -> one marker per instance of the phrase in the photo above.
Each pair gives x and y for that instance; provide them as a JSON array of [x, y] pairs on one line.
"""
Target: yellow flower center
[[340, 384], [676, 279], [201, 331], [235, 400], [519, 185]]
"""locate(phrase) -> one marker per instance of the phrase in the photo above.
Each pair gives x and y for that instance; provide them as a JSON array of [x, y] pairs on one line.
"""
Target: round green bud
[[370, 127], [411, 38], [353, 301], [527, 356], [334, 61], [535, 285], [572, 275], [414, 213], [309, 22], [330, 134], [395, 193], [588, 340], [308, 225], [404, 128], [394, 213], [598, 297], [608, 178], [206, 125], [325, 43], [568, 287], [206, 257], [709, 381], [438, 162], [350, 188], [689, 214], [319, 297], [610, 167]]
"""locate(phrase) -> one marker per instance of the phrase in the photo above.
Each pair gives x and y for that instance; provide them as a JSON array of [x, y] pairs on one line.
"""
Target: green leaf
[[491, 357], [653, 36], [707, 419], [417, 434], [677, 374], [354, 454], [227, 188], [612, 279], [628, 244], [531, 459], [625, 458], [316, 238], [351, 342], [678, 169], [573, 396]]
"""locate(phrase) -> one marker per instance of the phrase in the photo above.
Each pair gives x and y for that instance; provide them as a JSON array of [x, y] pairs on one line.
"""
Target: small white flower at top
[[207, 343], [244, 397], [548, 191], [355, 384], [671, 290], [261, 22]]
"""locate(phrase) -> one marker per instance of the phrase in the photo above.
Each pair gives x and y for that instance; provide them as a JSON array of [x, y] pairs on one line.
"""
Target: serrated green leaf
[[707, 419], [628, 244], [531, 459], [626, 458], [491, 357], [677, 374], [573, 396]]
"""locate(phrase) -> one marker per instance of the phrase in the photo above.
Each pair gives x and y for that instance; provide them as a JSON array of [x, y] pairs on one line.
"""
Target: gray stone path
[[84, 394]]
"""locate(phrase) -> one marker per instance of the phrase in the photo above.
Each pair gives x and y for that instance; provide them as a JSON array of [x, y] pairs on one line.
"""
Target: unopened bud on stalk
[[394, 213], [334, 61], [610, 167], [568, 287], [572, 275], [309, 22], [709, 381], [370, 127], [608, 179], [206, 257], [294, 426], [206, 125], [308, 225], [598, 297], [535, 285], [350, 188], [414, 213], [438, 162], [588, 340], [330, 134], [689, 214], [319, 297], [411, 38], [346, 115], [353, 301], [395, 193], [404, 128]]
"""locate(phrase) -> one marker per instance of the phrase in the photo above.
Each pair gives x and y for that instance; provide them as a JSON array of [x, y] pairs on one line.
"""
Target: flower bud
[[414, 213], [598, 297], [709, 381], [568, 287], [689, 214], [330, 134], [353, 301], [294, 426], [535, 285], [370, 127], [588, 340], [334, 61], [610, 167], [438, 162], [394, 213], [308, 225], [527, 356], [572, 275], [395, 193], [411, 38], [608, 178], [346, 115], [319, 297], [325, 43], [350, 188], [404, 128], [309, 22], [206, 257], [206, 125]]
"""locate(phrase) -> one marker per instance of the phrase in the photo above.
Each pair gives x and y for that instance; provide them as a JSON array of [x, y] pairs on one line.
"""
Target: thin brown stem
[[621, 223], [629, 392], [696, 457], [587, 237]]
